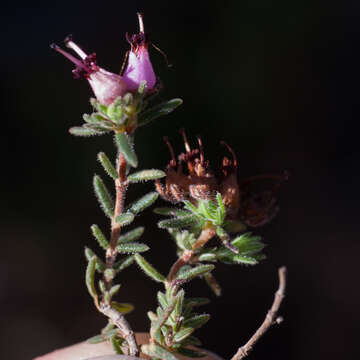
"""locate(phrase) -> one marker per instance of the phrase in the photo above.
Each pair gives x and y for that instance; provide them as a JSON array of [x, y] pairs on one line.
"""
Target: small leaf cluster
[[185, 224], [124, 114], [110, 333], [173, 324]]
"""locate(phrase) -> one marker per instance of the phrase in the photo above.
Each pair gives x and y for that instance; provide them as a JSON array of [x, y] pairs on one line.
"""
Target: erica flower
[[106, 85], [139, 67]]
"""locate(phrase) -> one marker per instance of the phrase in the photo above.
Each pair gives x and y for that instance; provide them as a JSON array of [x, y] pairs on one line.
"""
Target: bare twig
[[117, 318], [121, 323], [270, 319]]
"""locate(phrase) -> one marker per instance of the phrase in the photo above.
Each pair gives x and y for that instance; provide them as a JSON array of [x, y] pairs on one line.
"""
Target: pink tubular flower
[[106, 86], [139, 67]]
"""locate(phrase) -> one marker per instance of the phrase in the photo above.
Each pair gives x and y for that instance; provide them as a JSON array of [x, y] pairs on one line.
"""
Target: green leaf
[[213, 284], [132, 248], [116, 344], [171, 211], [178, 223], [102, 287], [194, 272], [107, 165], [131, 235], [196, 321], [83, 131], [196, 301], [102, 337], [149, 269], [184, 239], [125, 218], [158, 110], [183, 334], [98, 121], [179, 304], [146, 175], [248, 244], [100, 237], [100, 265], [144, 202], [161, 353], [109, 274], [142, 87], [98, 106], [189, 353], [125, 146], [220, 204], [122, 308], [191, 207], [124, 263], [207, 257], [162, 299], [163, 316], [103, 196], [192, 340], [246, 260], [114, 290], [115, 111], [90, 277], [152, 316]]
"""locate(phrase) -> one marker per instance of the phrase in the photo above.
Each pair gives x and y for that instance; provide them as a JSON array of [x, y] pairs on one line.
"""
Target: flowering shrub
[[206, 204]]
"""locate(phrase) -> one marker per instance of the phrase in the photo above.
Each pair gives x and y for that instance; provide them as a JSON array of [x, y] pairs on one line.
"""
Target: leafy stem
[[206, 234], [115, 316]]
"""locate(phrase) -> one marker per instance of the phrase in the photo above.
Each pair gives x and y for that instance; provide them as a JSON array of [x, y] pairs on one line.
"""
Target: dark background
[[278, 80]]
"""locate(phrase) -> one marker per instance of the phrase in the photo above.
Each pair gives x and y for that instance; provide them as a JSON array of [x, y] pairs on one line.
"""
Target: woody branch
[[270, 319]]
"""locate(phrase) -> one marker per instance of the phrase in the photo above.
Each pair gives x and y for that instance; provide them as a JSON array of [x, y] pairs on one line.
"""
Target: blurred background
[[278, 80]]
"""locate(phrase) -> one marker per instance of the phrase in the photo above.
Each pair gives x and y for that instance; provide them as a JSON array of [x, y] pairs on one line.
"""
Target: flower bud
[[106, 86], [139, 67]]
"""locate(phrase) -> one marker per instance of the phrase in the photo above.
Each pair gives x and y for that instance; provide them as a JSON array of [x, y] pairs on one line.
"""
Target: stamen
[[124, 63], [71, 45], [232, 153], [173, 159], [201, 150], [72, 58], [162, 53], [141, 22], [187, 146]]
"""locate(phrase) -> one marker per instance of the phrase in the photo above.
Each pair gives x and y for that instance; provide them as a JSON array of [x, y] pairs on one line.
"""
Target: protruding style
[[139, 67], [106, 86]]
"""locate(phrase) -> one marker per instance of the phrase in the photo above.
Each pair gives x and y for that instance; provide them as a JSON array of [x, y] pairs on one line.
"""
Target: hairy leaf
[[125, 218], [107, 165], [146, 175], [103, 196], [194, 272], [125, 146], [144, 202], [123, 263], [132, 248], [131, 235], [149, 269], [100, 237], [90, 277], [100, 265], [157, 111]]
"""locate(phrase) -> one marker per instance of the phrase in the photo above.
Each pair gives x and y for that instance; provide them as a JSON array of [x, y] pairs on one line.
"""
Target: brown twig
[[270, 319], [206, 234], [117, 318]]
